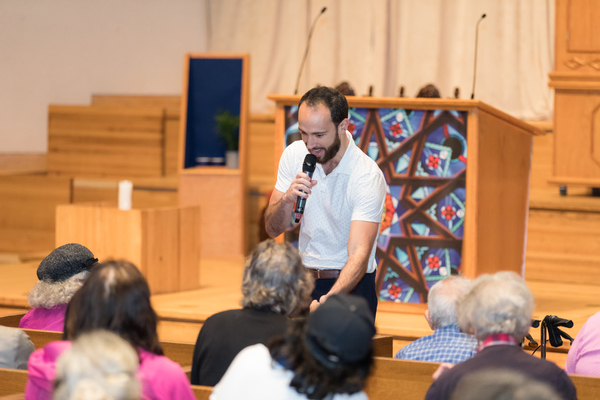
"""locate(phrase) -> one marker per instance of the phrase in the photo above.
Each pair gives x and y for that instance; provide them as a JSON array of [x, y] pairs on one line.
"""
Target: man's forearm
[[354, 270], [278, 218]]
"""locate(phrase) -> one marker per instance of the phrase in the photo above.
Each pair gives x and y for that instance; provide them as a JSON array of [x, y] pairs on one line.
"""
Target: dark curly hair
[[312, 378], [114, 297], [330, 98]]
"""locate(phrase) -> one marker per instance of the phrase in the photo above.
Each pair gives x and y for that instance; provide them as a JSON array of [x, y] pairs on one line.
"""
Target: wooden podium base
[[164, 243]]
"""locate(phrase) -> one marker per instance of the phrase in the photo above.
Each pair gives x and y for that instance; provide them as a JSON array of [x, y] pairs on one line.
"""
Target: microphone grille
[[310, 159]]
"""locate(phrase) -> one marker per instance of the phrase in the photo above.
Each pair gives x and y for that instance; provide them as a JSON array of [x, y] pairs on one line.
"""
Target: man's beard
[[331, 151]]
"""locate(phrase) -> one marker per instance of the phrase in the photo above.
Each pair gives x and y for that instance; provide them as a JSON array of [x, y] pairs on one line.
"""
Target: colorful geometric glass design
[[423, 155]]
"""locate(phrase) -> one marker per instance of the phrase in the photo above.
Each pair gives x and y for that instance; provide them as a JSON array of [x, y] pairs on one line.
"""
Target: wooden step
[[557, 267], [568, 233]]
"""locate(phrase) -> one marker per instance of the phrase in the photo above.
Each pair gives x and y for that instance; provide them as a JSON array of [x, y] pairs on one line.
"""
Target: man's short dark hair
[[330, 98]]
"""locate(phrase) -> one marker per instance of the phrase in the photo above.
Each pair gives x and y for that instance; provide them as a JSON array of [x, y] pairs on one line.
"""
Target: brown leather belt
[[324, 273]]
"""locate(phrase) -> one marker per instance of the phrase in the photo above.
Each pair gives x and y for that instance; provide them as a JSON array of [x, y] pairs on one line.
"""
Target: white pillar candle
[[125, 191]]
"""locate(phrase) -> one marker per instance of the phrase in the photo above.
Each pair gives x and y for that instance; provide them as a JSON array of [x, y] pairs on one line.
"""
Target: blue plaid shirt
[[447, 344]]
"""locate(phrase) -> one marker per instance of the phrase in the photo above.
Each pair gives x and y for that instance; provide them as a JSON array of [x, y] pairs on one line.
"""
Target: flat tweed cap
[[64, 262]]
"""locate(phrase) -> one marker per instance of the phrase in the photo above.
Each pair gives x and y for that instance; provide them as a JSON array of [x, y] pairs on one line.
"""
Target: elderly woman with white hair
[[497, 311], [99, 365], [60, 275], [275, 287]]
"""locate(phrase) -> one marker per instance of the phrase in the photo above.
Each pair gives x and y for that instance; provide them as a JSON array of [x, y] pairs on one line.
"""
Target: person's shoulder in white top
[[254, 375]]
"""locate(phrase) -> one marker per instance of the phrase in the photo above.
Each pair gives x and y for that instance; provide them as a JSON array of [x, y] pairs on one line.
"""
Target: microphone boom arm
[[312, 28]]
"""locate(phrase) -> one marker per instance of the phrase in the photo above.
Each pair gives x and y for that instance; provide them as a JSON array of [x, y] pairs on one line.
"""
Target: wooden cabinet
[[576, 80], [214, 82]]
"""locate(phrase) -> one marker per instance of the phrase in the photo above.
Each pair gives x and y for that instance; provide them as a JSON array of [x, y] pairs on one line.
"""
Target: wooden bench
[[182, 353], [389, 378], [11, 320], [201, 392], [12, 381]]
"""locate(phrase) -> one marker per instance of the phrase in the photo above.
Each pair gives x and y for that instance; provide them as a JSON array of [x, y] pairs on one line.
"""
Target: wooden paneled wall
[[260, 151], [106, 141], [27, 204], [171, 106]]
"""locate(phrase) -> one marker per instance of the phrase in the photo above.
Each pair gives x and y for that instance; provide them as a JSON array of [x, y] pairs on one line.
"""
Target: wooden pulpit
[[458, 182]]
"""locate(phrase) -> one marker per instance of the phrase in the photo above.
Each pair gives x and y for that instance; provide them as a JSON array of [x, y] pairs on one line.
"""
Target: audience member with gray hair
[[501, 384], [15, 348], [60, 275], [498, 310], [275, 286], [447, 344], [99, 366], [327, 356]]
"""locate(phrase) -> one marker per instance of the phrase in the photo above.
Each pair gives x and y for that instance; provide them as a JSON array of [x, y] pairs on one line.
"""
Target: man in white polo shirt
[[345, 200]]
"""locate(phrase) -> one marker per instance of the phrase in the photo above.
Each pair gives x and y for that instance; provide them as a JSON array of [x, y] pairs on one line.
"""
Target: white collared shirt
[[353, 191]]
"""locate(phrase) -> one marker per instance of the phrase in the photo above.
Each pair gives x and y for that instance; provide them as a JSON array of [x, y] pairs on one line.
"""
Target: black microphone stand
[[475, 61], [312, 28]]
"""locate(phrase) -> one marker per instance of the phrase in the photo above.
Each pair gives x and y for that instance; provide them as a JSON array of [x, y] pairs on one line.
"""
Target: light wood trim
[[41, 338], [202, 392], [268, 117], [183, 113], [421, 104], [574, 81], [383, 346], [588, 388], [391, 378], [182, 353], [12, 381], [407, 308], [564, 180], [16, 396], [59, 109], [12, 320], [211, 170], [279, 142], [469, 250]]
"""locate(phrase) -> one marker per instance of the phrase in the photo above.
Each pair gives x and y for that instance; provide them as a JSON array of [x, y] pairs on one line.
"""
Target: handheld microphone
[[308, 167], [312, 28], [475, 62]]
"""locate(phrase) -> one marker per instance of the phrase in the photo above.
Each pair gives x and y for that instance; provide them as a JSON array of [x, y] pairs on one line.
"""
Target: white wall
[[63, 51]]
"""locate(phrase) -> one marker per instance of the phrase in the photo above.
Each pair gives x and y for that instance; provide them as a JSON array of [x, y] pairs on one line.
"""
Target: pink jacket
[[161, 378], [52, 319]]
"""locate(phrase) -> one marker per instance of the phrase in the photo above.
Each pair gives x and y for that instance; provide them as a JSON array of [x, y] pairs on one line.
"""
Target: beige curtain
[[393, 43]]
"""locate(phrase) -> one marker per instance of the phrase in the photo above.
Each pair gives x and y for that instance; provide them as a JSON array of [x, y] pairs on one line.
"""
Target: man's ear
[[343, 126], [428, 318]]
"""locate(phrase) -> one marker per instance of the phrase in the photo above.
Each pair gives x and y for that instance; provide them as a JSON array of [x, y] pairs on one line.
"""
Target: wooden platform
[[562, 263], [183, 313]]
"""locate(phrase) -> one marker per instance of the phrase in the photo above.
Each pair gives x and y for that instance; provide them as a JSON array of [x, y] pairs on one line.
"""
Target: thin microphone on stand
[[312, 28], [308, 167], [475, 62]]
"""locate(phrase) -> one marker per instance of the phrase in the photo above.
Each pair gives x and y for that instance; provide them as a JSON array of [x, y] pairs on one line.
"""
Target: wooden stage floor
[[182, 313]]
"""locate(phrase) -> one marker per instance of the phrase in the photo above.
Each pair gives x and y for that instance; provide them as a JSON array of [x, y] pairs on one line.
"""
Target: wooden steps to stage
[[563, 235]]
